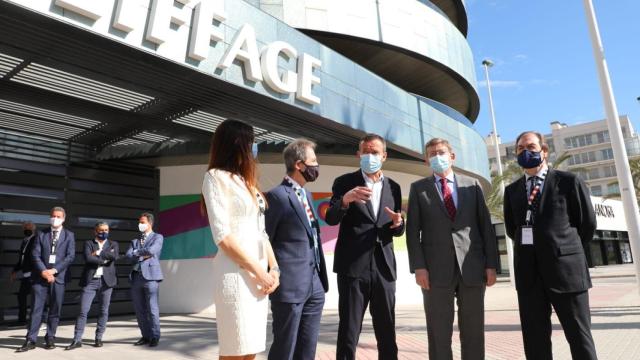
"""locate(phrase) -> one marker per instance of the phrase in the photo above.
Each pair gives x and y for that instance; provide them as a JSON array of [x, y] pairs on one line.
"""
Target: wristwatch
[[276, 269]]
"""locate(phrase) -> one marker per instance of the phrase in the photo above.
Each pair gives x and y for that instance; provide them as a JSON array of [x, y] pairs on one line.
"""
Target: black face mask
[[310, 173], [28, 232]]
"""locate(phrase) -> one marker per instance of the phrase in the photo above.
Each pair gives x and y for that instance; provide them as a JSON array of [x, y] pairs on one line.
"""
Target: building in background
[[107, 108], [586, 150], [588, 147]]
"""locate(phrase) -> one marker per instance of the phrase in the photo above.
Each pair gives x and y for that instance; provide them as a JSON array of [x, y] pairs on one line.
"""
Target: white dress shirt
[[544, 169], [451, 183], [99, 271], [376, 188]]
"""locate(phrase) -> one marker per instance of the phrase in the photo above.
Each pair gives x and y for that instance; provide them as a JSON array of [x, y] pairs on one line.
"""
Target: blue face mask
[[370, 163], [440, 163], [103, 235], [530, 159], [254, 150]]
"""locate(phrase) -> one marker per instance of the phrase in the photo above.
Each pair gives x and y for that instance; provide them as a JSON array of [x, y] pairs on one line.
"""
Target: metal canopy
[[69, 85]]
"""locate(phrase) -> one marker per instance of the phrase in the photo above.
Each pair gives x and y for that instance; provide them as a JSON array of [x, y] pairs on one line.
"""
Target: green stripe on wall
[[193, 244], [173, 201]]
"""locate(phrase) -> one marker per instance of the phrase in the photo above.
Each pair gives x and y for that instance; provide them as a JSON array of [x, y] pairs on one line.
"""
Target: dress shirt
[[376, 189], [100, 246], [451, 183], [539, 174]]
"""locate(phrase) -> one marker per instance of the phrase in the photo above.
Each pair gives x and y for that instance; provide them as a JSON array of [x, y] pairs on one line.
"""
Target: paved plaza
[[615, 305]]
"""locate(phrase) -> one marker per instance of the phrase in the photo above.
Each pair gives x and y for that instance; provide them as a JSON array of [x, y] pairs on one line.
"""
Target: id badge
[[52, 259], [527, 235]]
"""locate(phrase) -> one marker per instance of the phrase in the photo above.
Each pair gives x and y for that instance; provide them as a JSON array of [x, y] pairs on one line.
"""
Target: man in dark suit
[[98, 277], [294, 232], [367, 206], [53, 252], [22, 269], [549, 215], [453, 252], [146, 275]]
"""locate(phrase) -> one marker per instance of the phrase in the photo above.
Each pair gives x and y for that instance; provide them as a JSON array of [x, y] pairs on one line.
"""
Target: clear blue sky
[[544, 67]]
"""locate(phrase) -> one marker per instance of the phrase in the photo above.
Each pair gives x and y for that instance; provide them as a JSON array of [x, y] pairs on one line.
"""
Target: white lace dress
[[241, 309]]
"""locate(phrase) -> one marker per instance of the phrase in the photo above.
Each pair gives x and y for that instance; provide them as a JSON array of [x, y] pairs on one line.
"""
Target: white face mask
[[143, 227], [56, 222]]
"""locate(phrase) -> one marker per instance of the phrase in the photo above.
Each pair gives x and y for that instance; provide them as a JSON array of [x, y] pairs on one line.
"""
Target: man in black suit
[[98, 277], [22, 269], [366, 204], [53, 252], [294, 233], [549, 215]]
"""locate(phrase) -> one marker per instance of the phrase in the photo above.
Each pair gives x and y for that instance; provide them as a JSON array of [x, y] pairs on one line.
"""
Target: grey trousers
[[439, 310]]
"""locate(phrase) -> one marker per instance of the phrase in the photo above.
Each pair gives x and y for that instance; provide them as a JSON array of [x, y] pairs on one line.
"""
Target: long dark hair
[[231, 151]]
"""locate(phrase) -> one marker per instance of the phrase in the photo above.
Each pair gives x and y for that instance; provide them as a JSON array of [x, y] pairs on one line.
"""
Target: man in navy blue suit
[[144, 253], [294, 233], [53, 252], [99, 277]]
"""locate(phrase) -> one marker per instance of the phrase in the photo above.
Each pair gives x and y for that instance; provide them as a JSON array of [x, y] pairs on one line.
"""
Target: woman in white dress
[[245, 268]]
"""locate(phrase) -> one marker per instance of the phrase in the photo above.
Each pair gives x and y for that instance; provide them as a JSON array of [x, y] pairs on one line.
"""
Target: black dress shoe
[[49, 344], [154, 342], [28, 345], [74, 345], [142, 341], [98, 343]]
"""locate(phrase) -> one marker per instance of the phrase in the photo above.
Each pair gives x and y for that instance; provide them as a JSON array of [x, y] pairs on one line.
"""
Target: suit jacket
[[25, 263], [106, 259], [359, 229], [435, 242], [563, 225], [65, 253], [291, 237], [150, 267]]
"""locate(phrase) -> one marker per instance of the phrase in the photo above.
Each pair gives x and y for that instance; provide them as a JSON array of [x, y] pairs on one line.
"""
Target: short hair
[[148, 215], [540, 137], [100, 223], [29, 223], [58, 208], [296, 151], [370, 137], [438, 141]]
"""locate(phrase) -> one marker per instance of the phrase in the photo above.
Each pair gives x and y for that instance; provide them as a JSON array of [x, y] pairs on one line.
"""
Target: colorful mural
[[187, 234]]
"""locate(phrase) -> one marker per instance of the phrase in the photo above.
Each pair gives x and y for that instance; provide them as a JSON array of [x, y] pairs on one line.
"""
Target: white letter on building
[[306, 79], [244, 48], [87, 8], [202, 32], [125, 17], [269, 62], [162, 15]]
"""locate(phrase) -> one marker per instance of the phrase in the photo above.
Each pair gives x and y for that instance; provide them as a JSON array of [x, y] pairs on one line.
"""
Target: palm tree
[[511, 171]]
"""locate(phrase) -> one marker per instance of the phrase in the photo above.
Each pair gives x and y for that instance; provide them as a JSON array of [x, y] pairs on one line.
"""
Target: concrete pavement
[[615, 307]]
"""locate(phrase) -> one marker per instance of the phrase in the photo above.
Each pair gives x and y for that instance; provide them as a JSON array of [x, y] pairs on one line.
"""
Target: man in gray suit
[[452, 251], [144, 253]]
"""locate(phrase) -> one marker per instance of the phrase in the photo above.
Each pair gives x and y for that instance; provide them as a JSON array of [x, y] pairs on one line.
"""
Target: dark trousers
[[40, 294], [573, 312], [93, 287], [439, 310], [23, 295], [378, 288], [296, 325], [144, 294]]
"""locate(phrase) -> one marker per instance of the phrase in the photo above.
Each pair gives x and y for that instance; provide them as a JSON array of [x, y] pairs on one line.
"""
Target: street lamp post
[[625, 180], [487, 64]]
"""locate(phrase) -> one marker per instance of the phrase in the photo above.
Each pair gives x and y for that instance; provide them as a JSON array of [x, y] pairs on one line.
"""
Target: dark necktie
[[533, 181], [303, 199], [447, 197], [54, 239], [143, 238]]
